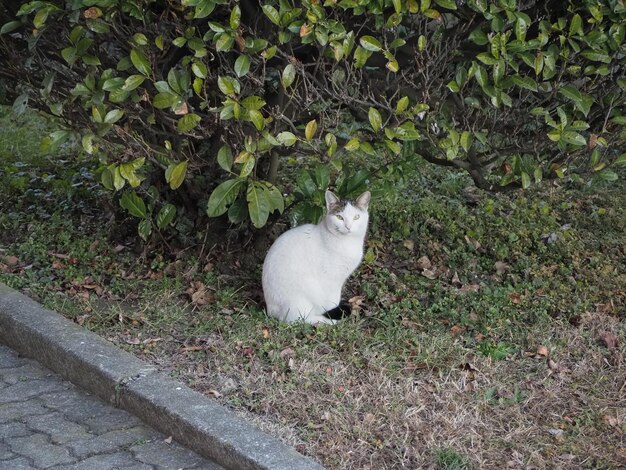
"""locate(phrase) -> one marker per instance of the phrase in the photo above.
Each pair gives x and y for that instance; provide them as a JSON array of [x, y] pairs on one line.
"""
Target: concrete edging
[[120, 378]]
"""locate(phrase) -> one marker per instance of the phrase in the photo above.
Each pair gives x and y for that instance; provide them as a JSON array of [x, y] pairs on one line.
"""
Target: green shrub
[[224, 107]]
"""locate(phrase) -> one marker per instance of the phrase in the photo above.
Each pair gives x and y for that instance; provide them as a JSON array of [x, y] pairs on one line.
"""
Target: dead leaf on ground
[[501, 267], [11, 260], [457, 330], [199, 293], [473, 242], [168, 440], [265, 331], [469, 288], [515, 297], [430, 273], [408, 244], [356, 302], [215, 393], [609, 340], [287, 352], [610, 421], [542, 351], [192, 348], [423, 263], [455, 279]]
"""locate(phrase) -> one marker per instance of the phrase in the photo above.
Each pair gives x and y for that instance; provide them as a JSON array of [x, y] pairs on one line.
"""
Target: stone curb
[[120, 378]]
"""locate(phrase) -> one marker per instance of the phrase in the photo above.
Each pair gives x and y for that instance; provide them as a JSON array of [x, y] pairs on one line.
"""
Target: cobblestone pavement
[[48, 423]]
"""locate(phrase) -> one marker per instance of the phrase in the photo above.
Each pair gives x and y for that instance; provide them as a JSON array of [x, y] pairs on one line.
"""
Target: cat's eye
[[356, 217], [339, 217]]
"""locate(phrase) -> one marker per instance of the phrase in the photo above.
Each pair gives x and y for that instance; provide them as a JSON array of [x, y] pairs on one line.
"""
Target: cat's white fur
[[306, 267]]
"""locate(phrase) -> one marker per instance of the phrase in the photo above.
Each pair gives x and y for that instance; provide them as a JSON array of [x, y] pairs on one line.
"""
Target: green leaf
[[224, 42], [287, 138], [140, 61], [310, 130], [106, 178], [576, 25], [242, 65], [175, 174], [272, 14], [133, 204], [352, 145], [145, 229], [225, 157], [164, 100], [228, 85], [274, 198], [288, 76], [608, 176], [235, 17], [466, 140], [188, 122], [525, 180], [199, 69], [133, 82], [621, 160], [453, 87], [223, 196], [571, 92], [375, 119], [113, 116], [10, 26], [524, 82], [166, 215], [370, 43], [258, 205], [402, 105], [253, 102], [449, 4], [257, 119]]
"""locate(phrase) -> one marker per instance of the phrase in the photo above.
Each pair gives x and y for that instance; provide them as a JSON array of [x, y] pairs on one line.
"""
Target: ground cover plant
[[488, 330]]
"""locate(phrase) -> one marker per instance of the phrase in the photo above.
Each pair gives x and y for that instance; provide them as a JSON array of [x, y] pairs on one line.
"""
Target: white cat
[[306, 267]]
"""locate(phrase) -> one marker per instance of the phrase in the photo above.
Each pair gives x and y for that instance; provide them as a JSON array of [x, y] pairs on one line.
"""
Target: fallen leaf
[[515, 297], [56, 264], [168, 440], [192, 348], [182, 109], [542, 351], [609, 340], [265, 331], [455, 279], [59, 255], [501, 267], [408, 244], [369, 418], [423, 263], [429, 273], [11, 260], [473, 242], [456, 330], [133, 341], [215, 393], [469, 288], [93, 12], [611, 421], [287, 352], [199, 294]]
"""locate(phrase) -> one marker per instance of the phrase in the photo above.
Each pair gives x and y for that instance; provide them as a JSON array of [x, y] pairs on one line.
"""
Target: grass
[[488, 354]]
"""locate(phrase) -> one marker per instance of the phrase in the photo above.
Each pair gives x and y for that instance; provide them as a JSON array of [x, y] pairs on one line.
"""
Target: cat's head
[[347, 217]]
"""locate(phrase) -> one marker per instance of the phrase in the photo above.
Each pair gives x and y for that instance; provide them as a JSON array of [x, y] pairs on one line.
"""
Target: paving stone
[[8, 358], [37, 448], [6, 452], [112, 440], [75, 404], [118, 460], [13, 411], [166, 456], [20, 463], [59, 428], [13, 429], [111, 420], [25, 372], [22, 391]]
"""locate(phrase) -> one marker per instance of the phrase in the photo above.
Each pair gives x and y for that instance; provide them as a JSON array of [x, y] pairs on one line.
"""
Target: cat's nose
[[348, 226]]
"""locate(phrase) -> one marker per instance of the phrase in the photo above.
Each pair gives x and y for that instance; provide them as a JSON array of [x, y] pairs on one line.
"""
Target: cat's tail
[[343, 310]]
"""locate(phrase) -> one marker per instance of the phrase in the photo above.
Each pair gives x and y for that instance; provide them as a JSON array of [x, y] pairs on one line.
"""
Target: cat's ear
[[331, 199], [363, 201]]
